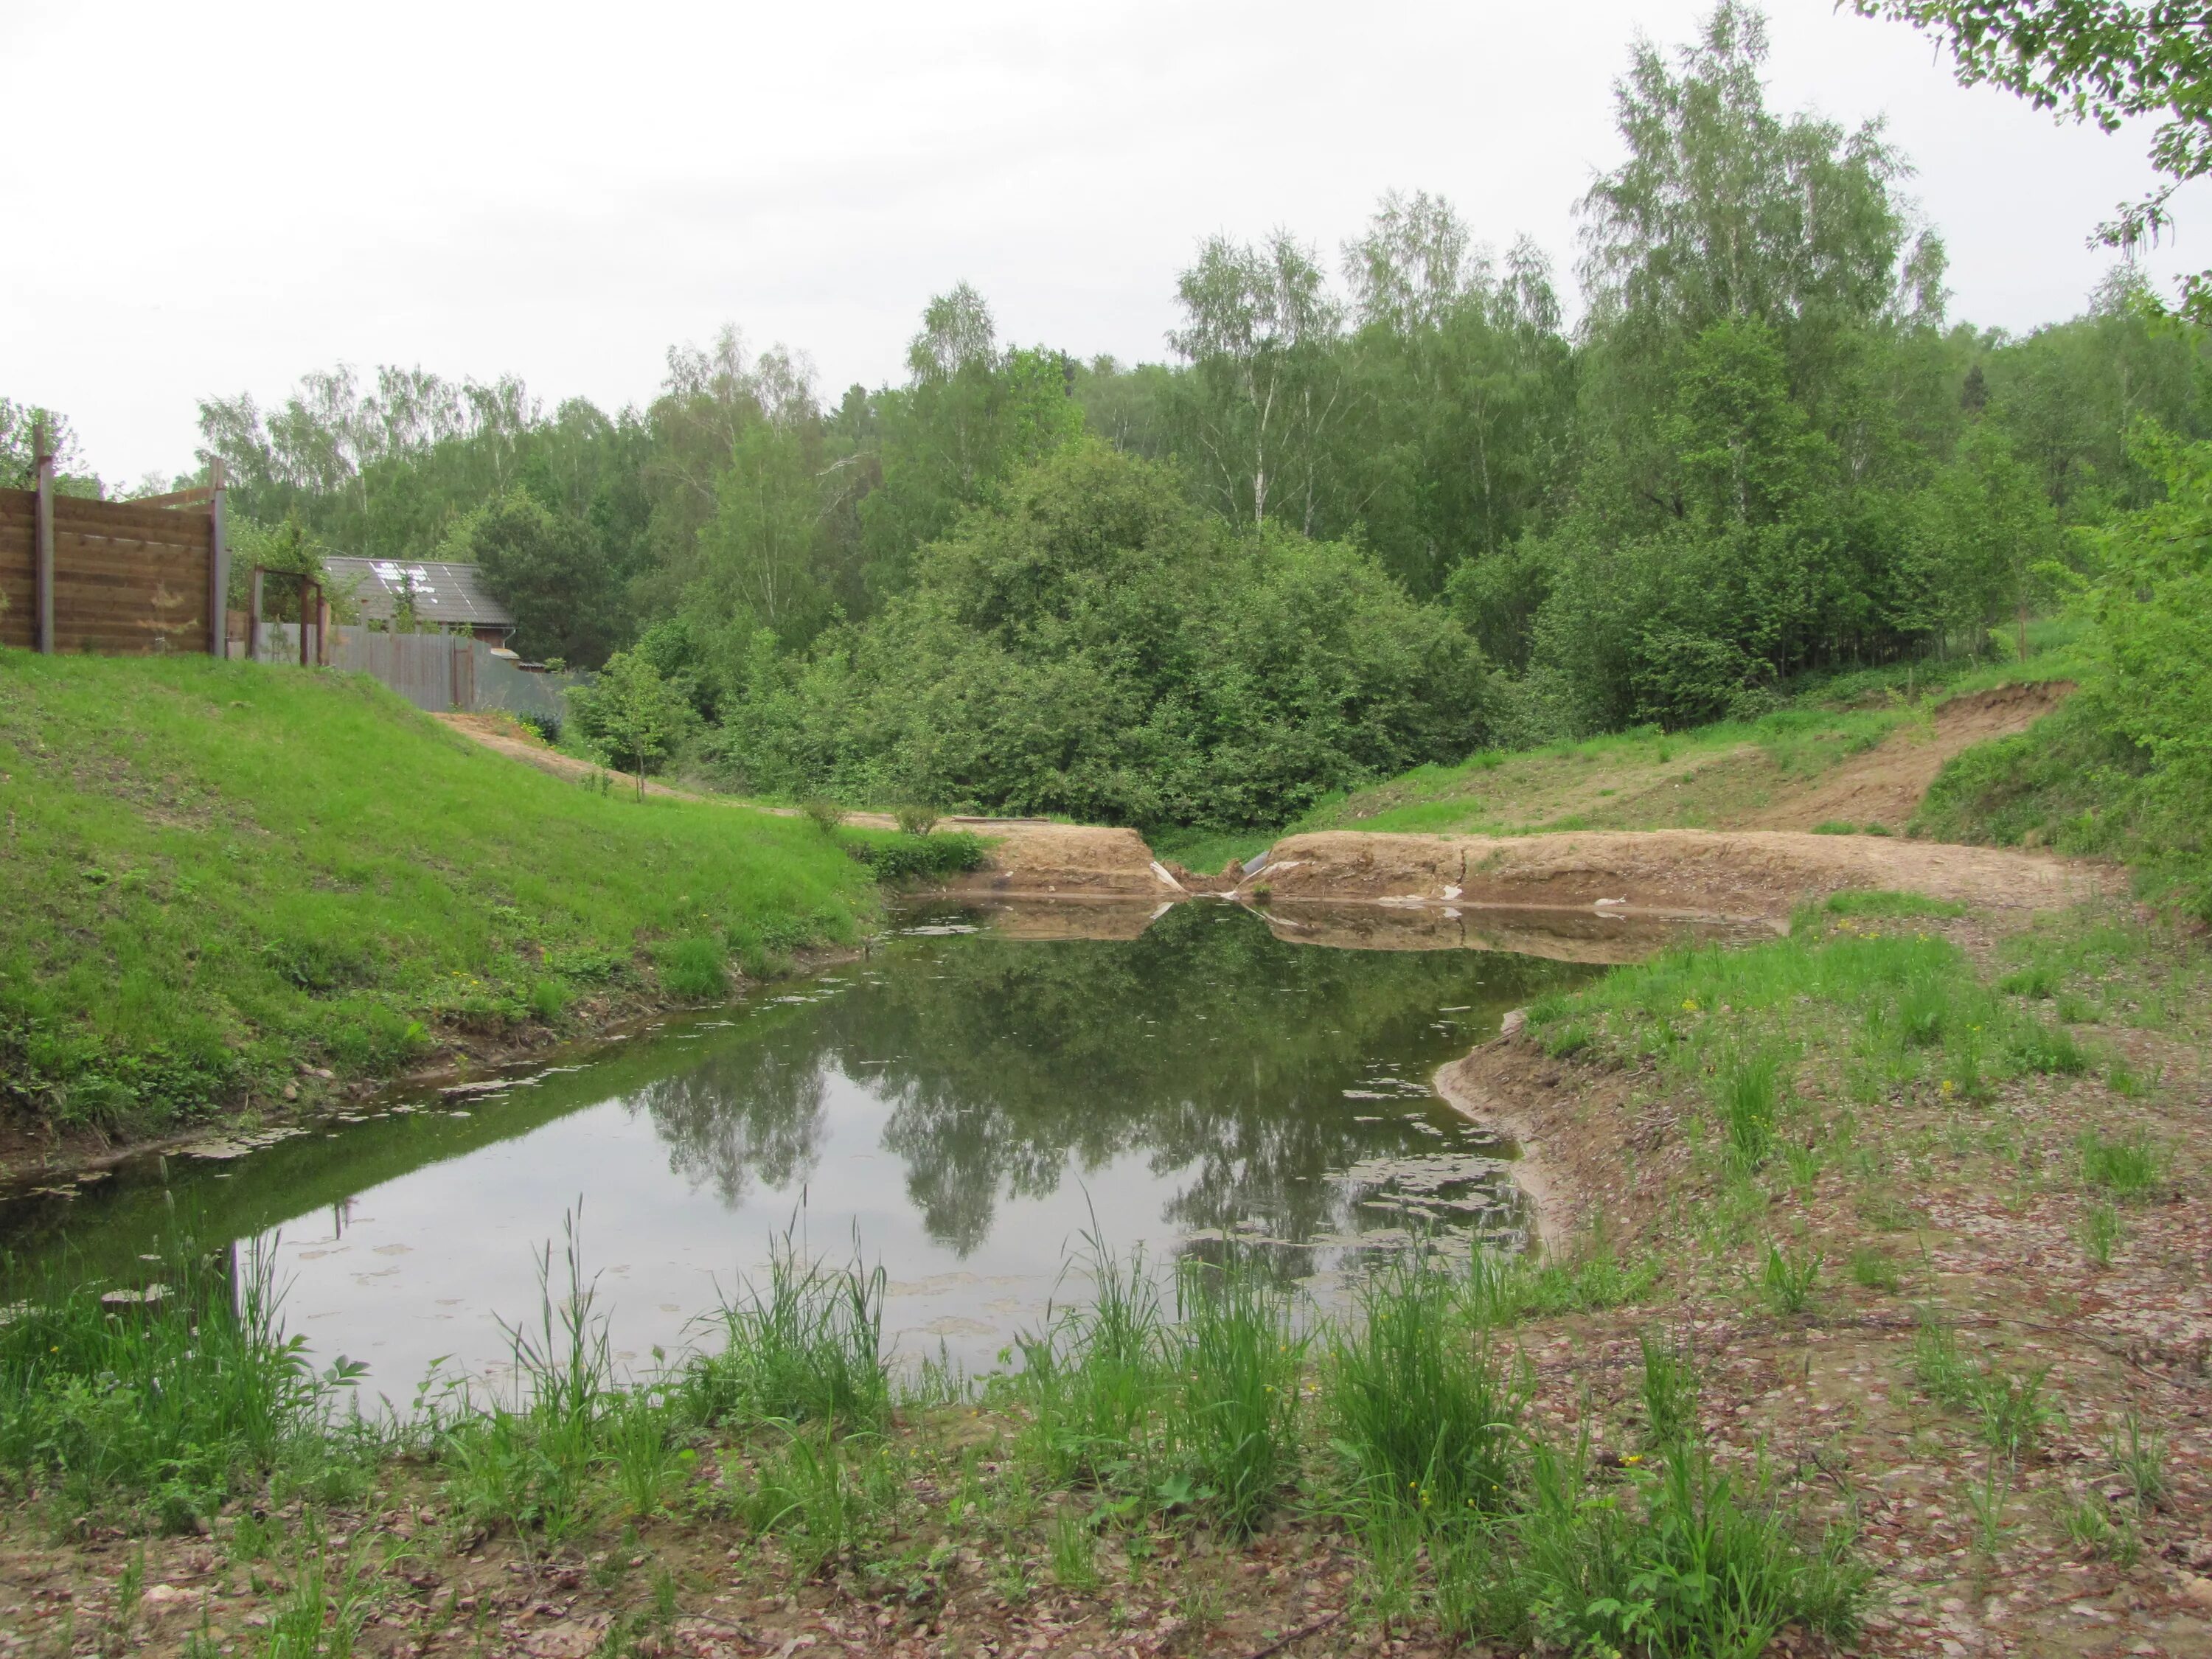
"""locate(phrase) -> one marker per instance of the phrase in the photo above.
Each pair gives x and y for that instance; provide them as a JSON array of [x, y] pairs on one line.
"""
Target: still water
[[961, 1107]]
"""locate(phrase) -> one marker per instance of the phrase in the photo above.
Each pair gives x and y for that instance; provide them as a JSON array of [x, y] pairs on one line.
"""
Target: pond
[[963, 1105]]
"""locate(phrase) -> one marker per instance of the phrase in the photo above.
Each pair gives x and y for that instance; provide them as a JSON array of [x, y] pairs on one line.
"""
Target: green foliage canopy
[[1103, 647]]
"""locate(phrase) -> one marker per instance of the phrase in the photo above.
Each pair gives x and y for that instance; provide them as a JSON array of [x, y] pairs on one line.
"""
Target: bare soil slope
[[1885, 784]]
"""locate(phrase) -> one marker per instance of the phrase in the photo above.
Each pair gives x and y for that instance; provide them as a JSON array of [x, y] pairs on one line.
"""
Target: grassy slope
[[1642, 780], [215, 873]]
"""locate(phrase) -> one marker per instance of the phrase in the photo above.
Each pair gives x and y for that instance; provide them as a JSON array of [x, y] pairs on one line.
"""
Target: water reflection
[[962, 1104]]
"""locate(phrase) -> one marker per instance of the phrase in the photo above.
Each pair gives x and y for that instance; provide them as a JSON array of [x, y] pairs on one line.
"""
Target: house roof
[[444, 593]]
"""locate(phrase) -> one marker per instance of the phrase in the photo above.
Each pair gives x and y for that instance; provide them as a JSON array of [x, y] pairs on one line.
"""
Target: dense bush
[[1099, 646], [912, 858]]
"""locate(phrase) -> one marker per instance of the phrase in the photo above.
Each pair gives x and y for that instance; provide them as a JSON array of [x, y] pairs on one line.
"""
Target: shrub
[[916, 820], [1092, 643], [917, 858]]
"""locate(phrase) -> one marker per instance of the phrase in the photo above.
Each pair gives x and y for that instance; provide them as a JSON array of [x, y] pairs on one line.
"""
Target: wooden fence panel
[[19, 595], [121, 597], [128, 581]]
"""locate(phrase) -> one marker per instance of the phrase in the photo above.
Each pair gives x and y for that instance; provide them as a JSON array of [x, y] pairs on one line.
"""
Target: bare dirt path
[[1885, 784]]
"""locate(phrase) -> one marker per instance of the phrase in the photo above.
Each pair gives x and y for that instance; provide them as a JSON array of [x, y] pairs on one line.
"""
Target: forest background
[[1380, 509]]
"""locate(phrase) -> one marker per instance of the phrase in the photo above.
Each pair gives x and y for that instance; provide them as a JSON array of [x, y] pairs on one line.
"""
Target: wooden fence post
[[218, 569], [42, 540], [253, 620]]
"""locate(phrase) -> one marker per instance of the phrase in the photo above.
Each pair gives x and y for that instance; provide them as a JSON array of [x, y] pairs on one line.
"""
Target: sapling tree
[[633, 714]]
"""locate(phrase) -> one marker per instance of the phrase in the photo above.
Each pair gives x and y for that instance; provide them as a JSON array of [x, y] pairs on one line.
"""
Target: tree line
[[1376, 509]]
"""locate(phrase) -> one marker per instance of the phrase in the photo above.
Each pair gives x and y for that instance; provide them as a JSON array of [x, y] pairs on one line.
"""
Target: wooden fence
[[124, 579]]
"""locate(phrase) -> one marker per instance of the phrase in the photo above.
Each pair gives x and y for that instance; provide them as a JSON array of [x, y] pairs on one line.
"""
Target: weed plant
[[167, 1402], [1874, 1269], [805, 1347], [1093, 1378], [2091, 1528], [1421, 1405], [1790, 1277], [2138, 1453], [1749, 1099], [1675, 1558], [1670, 1389], [2101, 1231], [2131, 1168], [1500, 1289], [1234, 1411], [525, 1463]]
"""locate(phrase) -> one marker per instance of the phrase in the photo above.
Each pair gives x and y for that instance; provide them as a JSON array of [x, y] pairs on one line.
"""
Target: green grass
[[1233, 1422], [1889, 1005], [2131, 1168], [1207, 850], [804, 1346], [1423, 1408], [172, 1403], [1466, 1504], [218, 873], [2074, 783]]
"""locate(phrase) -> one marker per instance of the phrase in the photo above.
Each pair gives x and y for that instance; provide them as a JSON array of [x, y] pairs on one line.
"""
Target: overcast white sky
[[562, 191]]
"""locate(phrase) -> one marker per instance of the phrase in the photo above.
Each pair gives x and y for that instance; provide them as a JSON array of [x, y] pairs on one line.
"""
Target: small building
[[446, 598]]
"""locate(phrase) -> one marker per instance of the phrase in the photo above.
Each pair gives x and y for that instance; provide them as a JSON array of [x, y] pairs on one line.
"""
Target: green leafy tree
[[1980, 547], [548, 569], [2104, 62], [971, 413], [1460, 393], [1260, 330], [2152, 595], [632, 714], [19, 427]]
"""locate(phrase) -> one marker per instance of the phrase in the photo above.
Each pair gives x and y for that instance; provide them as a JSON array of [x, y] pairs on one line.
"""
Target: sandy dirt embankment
[[1740, 873]]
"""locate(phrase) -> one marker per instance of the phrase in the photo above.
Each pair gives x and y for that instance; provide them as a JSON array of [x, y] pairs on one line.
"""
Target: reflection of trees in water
[[1217, 1052], [748, 1110], [1207, 1044]]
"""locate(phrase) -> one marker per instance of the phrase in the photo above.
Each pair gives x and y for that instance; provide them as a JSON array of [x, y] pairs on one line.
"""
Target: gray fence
[[436, 671]]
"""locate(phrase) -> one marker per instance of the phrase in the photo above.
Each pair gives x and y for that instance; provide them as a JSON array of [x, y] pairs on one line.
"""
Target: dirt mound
[[1738, 873], [1884, 785], [1038, 861]]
